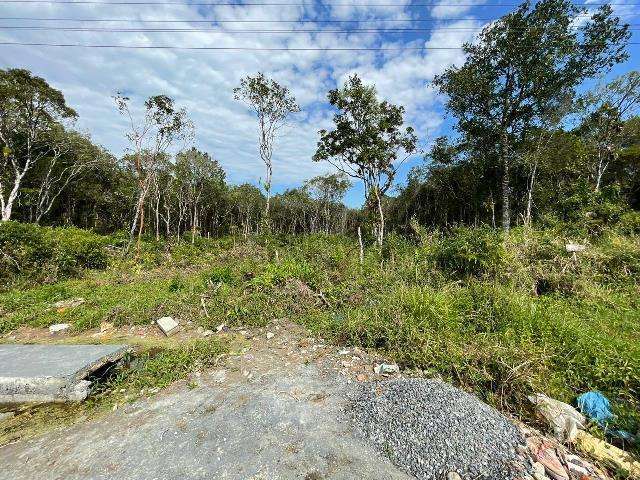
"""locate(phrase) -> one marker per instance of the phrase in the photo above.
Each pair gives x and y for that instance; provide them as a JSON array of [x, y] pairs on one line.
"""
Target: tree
[[162, 125], [272, 104], [198, 174], [328, 191], [366, 141], [607, 109], [31, 113], [524, 66]]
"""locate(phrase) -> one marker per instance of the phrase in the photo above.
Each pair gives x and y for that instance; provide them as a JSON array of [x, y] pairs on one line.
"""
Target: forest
[[507, 263]]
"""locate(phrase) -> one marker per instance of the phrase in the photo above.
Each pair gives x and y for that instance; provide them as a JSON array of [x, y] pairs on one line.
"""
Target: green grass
[[502, 318]]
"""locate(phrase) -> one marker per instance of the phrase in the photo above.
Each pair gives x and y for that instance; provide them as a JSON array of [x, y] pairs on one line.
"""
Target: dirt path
[[274, 412]]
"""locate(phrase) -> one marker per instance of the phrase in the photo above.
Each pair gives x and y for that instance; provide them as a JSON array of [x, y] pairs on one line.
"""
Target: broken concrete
[[51, 373], [59, 328], [168, 325]]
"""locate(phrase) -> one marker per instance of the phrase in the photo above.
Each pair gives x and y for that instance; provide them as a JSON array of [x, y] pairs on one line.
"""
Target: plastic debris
[[564, 420], [596, 406], [607, 454]]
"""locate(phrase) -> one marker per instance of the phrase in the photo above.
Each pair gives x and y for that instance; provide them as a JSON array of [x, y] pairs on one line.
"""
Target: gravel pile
[[430, 428]]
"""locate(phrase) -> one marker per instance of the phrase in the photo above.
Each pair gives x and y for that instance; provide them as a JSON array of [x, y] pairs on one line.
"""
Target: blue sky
[[203, 81]]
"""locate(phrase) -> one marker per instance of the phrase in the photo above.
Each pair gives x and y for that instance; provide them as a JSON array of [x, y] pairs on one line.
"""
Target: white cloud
[[203, 81]]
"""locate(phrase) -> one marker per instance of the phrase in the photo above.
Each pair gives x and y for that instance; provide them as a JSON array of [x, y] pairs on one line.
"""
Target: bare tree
[[272, 103], [30, 112], [151, 137], [606, 110]]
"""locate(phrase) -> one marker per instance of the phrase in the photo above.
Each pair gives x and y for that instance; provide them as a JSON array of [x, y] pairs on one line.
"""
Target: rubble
[[386, 368], [168, 325], [59, 328]]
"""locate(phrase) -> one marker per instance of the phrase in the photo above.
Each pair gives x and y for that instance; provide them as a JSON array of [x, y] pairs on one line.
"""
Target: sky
[[203, 81]]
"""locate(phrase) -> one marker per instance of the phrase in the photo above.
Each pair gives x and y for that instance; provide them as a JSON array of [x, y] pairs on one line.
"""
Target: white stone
[[270, 335], [453, 476], [207, 333], [59, 328], [6, 416], [574, 247], [168, 325], [386, 368]]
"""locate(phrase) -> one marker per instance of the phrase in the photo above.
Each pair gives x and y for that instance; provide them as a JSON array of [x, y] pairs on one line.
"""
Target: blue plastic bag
[[596, 406]]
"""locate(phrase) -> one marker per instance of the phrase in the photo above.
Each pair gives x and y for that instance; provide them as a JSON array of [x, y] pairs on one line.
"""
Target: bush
[[33, 253], [477, 252]]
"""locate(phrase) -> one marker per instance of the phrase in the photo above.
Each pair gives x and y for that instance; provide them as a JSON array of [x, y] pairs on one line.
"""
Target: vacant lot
[[501, 318]]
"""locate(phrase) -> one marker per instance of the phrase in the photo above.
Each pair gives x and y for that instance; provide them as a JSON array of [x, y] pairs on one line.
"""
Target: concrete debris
[[168, 325], [105, 327], [63, 305], [574, 247], [6, 416], [51, 373], [564, 420], [59, 328], [386, 368], [545, 454]]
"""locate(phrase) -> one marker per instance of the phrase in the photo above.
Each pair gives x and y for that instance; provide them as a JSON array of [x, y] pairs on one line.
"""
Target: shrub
[[468, 252], [33, 253]]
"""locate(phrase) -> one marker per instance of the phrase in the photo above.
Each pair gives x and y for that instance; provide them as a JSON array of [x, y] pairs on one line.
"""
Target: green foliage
[[38, 253], [467, 252], [502, 316]]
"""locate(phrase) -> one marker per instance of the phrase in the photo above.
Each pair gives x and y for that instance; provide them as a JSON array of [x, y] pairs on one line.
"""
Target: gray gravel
[[430, 428]]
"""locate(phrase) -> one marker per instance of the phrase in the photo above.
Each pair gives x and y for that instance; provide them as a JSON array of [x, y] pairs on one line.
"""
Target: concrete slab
[[51, 373]]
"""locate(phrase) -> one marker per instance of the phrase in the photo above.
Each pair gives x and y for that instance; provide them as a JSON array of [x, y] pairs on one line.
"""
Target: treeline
[[526, 147]]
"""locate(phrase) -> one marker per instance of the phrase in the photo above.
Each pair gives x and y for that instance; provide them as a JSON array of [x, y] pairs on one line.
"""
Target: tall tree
[[607, 109], [31, 114], [272, 104], [150, 137], [524, 66], [366, 142]]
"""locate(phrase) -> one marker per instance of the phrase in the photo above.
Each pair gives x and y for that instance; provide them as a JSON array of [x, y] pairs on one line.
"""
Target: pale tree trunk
[[506, 185], [380, 229], [532, 180], [7, 206]]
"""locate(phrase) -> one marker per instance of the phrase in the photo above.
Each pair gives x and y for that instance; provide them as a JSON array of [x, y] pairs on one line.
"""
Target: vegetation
[[431, 280], [503, 317]]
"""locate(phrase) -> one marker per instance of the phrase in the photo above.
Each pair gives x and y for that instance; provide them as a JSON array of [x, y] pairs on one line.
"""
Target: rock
[[168, 325], [574, 247], [545, 454], [386, 368], [105, 327], [207, 333], [62, 305], [270, 335], [222, 328], [564, 420], [6, 416], [453, 476], [59, 328], [344, 351]]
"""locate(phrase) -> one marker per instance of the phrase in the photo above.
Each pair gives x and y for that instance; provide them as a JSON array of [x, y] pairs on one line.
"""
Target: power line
[[284, 4], [227, 31], [301, 21], [243, 49], [266, 49]]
